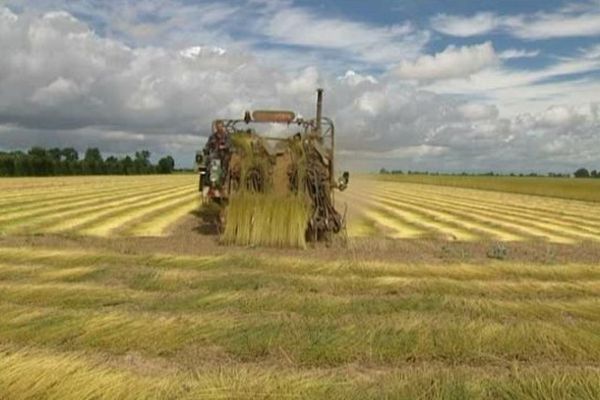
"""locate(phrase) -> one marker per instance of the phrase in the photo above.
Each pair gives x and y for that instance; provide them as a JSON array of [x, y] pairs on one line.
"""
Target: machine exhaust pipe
[[319, 109]]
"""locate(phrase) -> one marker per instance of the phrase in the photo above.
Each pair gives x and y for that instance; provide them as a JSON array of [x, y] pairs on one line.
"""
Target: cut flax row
[[267, 219]]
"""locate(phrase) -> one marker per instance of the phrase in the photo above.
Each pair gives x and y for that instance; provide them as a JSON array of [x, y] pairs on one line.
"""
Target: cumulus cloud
[[560, 116], [57, 73], [568, 80], [353, 78], [474, 111], [453, 62], [62, 84]]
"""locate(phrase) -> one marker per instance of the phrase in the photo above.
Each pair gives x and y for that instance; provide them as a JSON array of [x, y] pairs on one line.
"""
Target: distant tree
[[69, 154], [7, 165], [40, 161], [92, 162], [383, 171], [127, 165], [92, 155], [55, 154], [594, 174], [22, 164], [582, 173], [141, 162], [166, 165], [112, 166], [69, 162]]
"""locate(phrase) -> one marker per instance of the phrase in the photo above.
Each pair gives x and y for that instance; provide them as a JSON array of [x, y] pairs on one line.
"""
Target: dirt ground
[[192, 238]]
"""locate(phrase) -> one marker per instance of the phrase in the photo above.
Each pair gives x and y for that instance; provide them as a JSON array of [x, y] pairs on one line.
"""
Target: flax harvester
[[272, 190]]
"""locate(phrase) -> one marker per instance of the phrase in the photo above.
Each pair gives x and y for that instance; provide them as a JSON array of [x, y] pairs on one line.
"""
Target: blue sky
[[444, 85]]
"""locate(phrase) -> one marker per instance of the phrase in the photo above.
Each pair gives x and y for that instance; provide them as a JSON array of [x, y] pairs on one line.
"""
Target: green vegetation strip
[[85, 324]]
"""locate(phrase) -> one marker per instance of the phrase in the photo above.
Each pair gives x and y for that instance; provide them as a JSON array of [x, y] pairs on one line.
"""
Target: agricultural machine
[[272, 190]]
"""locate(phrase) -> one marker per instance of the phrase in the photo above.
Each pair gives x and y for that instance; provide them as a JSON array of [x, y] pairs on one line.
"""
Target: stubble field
[[108, 289], [407, 210], [96, 206]]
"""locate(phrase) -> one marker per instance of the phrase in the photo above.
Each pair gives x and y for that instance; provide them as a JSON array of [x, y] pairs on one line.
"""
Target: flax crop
[[267, 219]]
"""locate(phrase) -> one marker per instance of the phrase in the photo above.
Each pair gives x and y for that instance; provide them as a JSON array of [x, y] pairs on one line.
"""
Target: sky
[[508, 86]]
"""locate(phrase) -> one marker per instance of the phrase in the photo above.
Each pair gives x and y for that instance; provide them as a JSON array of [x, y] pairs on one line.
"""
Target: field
[[566, 188], [96, 206], [408, 210], [109, 289]]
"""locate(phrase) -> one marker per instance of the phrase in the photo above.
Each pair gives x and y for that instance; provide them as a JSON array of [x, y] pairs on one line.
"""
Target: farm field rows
[[411, 210], [96, 324], [152, 206], [97, 206], [169, 313]]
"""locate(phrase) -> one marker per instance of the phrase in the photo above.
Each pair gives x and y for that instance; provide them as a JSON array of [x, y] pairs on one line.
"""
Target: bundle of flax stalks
[[271, 217], [267, 219]]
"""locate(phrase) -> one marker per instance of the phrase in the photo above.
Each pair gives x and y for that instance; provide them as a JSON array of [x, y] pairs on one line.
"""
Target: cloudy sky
[[506, 85]]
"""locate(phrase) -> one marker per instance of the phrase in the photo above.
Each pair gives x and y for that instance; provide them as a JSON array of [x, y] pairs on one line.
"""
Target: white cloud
[[456, 25], [378, 44], [518, 53], [62, 84], [59, 91], [197, 51], [568, 22], [353, 78], [130, 19], [371, 103], [515, 90], [249, 25], [451, 63], [592, 52], [301, 84], [557, 116], [545, 26], [8, 15], [474, 111]]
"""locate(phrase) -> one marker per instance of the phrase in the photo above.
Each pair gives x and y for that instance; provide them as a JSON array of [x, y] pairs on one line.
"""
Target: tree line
[[584, 173], [39, 161]]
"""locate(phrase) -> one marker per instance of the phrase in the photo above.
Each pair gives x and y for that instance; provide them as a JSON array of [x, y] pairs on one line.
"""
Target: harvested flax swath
[[267, 219], [266, 210]]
